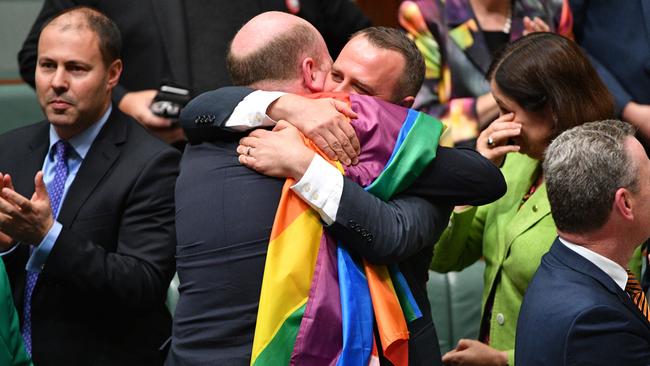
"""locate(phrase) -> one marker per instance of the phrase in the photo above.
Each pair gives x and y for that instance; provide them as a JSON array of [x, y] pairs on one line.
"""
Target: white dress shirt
[[613, 269]]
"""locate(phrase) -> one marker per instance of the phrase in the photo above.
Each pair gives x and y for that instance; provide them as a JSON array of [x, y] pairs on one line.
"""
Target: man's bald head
[[84, 18], [272, 48]]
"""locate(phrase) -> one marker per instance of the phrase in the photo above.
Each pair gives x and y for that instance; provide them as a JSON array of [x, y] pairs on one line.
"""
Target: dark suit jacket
[[573, 313], [100, 299], [616, 36], [221, 267], [155, 40]]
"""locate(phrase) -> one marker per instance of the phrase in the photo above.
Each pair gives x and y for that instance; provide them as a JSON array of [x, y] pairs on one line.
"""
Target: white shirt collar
[[611, 268]]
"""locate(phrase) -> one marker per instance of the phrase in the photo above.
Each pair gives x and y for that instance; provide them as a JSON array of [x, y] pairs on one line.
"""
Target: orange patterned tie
[[636, 294]]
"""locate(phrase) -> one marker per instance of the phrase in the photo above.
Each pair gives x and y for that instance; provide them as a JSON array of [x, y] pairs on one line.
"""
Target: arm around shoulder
[[387, 232], [459, 176]]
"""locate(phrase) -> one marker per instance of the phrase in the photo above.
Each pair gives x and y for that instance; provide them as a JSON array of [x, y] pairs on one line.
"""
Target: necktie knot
[[61, 150]]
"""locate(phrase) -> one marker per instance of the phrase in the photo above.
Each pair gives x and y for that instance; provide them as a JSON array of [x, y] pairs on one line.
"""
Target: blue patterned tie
[[55, 191]]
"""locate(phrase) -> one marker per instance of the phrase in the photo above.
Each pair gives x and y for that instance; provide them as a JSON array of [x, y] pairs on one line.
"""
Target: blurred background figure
[[183, 44], [543, 84], [459, 39], [616, 37]]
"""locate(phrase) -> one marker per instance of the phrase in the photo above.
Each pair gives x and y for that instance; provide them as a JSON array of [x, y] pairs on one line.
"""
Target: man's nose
[[343, 87], [60, 80]]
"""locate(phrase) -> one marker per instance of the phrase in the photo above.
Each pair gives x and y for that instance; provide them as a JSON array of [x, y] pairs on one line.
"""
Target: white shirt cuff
[[13, 247], [321, 187], [251, 111], [40, 254]]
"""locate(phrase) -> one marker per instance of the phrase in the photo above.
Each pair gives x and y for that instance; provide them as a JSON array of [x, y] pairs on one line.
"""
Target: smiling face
[[73, 84], [536, 128], [363, 68]]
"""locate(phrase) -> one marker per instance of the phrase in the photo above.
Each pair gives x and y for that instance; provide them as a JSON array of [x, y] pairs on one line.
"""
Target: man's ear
[[407, 101], [114, 71], [623, 203], [312, 77]]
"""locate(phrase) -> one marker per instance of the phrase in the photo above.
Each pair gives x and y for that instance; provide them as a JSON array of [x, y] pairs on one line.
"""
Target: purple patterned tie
[[55, 191]]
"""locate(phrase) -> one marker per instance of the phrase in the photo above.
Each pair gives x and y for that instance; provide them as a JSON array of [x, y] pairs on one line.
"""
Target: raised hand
[[492, 143], [25, 220], [535, 25]]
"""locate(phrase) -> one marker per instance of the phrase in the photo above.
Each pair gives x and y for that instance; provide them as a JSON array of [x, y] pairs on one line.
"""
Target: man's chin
[[60, 119]]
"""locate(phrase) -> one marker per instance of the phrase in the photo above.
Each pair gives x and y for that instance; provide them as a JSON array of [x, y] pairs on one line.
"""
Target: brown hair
[[277, 60], [545, 72], [393, 39], [108, 34]]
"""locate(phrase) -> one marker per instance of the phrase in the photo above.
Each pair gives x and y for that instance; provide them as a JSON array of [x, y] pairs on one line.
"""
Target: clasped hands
[[279, 153], [21, 219], [282, 152]]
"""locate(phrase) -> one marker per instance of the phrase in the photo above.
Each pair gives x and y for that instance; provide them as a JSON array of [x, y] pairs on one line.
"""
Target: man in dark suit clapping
[[90, 254]]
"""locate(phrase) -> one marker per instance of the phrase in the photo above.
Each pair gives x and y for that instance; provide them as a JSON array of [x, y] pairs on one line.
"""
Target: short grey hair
[[584, 167]]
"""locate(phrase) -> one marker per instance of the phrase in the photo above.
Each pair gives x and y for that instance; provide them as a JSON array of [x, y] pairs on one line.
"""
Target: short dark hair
[[583, 168], [394, 39], [277, 60], [547, 72], [108, 34]]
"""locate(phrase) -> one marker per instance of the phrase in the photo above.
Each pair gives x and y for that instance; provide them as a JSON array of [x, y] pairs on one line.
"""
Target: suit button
[[369, 239], [500, 319], [535, 208], [307, 187]]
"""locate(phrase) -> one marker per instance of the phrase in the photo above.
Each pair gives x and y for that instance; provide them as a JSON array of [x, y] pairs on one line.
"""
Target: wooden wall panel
[[381, 12]]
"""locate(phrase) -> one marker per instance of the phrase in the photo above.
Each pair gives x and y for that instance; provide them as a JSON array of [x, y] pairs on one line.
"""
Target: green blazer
[[511, 239], [12, 351]]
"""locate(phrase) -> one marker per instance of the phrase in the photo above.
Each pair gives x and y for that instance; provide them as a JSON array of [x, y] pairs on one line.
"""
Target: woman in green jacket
[[12, 351], [543, 85]]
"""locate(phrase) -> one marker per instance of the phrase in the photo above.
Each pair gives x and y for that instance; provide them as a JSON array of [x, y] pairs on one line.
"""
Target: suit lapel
[[576, 262], [170, 20], [36, 149], [533, 210], [100, 158]]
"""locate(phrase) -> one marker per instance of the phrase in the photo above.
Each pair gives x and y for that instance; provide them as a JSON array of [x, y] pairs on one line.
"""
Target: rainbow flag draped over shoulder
[[318, 304]]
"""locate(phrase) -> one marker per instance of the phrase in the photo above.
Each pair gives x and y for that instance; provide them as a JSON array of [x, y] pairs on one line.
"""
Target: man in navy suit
[[611, 31], [86, 209], [582, 307]]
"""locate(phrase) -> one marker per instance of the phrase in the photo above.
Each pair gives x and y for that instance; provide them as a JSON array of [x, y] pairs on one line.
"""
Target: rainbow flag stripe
[[318, 302]]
